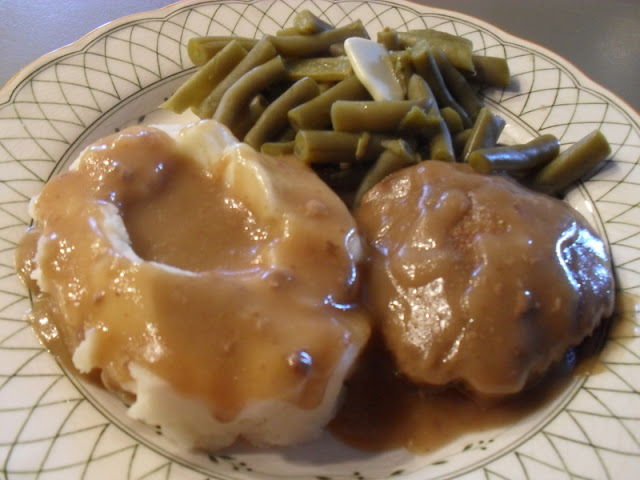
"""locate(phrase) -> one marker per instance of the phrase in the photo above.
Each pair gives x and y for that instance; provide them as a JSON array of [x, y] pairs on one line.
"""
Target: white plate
[[53, 426]]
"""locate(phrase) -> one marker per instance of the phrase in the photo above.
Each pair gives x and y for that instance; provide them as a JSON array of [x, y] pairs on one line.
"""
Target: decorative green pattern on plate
[[55, 426]]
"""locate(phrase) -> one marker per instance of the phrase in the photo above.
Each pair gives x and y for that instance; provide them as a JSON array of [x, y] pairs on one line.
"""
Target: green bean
[[460, 140], [200, 84], [418, 89], [324, 86], [458, 86], [257, 106], [402, 66], [426, 66], [457, 49], [328, 146], [363, 144], [452, 119], [288, 135], [492, 71], [397, 155], [258, 55], [308, 24], [485, 133], [388, 38], [274, 119], [318, 44], [316, 114], [419, 122], [438, 138], [278, 148], [441, 146], [321, 69], [202, 49], [236, 99], [515, 158], [370, 116], [288, 31], [572, 164], [337, 49]]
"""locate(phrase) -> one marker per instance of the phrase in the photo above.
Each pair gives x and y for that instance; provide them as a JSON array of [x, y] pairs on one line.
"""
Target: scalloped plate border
[[56, 425]]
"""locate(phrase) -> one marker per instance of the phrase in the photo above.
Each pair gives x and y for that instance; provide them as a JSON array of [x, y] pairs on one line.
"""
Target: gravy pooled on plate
[[214, 284]]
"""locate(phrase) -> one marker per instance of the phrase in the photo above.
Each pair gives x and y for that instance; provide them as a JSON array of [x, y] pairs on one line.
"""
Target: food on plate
[[213, 286], [419, 87], [475, 280], [217, 289]]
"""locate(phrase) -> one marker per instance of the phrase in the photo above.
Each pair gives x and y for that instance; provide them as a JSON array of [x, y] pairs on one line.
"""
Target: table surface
[[600, 37]]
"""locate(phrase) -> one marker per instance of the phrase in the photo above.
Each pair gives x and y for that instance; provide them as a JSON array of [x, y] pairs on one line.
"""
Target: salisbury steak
[[477, 280]]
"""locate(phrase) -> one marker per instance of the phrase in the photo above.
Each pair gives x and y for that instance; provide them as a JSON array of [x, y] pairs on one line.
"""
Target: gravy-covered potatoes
[[216, 286]]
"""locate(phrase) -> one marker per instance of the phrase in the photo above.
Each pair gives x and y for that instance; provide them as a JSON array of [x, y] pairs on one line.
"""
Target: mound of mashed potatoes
[[213, 287], [477, 281]]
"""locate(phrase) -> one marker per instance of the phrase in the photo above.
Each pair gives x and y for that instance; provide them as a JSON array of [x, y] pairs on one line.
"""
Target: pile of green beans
[[295, 92]]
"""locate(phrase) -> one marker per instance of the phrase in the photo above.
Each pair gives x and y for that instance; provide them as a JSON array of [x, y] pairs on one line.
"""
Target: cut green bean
[[419, 123], [328, 146], [274, 120], [457, 49], [516, 158], [321, 69], [458, 86], [278, 148], [318, 44], [308, 23], [437, 138], [316, 114], [388, 38], [363, 144], [460, 140], [370, 116], [236, 99], [287, 135], [202, 49], [427, 67], [397, 155], [324, 86], [492, 71], [337, 49], [288, 31], [572, 164], [201, 83], [485, 133], [418, 89], [262, 52], [452, 119], [441, 146], [402, 67], [257, 106]]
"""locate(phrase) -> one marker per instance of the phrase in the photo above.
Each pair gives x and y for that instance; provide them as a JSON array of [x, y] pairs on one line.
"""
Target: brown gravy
[[476, 280], [240, 322], [382, 410]]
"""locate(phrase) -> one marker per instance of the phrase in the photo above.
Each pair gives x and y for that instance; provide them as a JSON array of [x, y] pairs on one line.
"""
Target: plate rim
[[582, 80]]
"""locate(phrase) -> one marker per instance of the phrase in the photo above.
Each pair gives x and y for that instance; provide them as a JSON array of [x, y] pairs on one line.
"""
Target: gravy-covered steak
[[478, 281]]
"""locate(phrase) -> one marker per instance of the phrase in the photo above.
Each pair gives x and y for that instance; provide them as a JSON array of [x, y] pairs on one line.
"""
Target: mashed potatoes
[[213, 286]]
